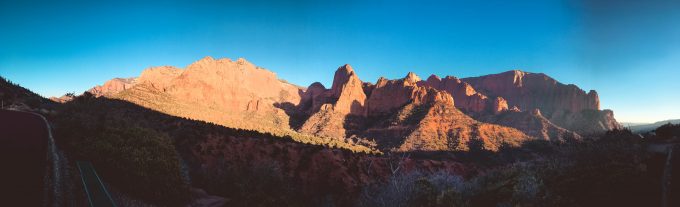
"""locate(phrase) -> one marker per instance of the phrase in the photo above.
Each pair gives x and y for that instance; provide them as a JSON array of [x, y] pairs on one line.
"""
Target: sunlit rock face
[[565, 105], [113, 86], [467, 98], [389, 95], [231, 85], [338, 107], [348, 90], [160, 77], [445, 128], [535, 90], [231, 93], [406, 114]]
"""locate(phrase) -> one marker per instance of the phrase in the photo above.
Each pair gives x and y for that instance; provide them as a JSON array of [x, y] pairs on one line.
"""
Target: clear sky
[[629, 51]]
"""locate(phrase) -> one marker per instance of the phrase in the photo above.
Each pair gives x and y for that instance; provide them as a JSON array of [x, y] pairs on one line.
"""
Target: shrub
[[140, 161], [415, 189], [668, 131], [262, 184], [610, 171]]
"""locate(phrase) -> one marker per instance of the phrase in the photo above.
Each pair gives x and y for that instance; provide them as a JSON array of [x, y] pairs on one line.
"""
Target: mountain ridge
[[508, 108]]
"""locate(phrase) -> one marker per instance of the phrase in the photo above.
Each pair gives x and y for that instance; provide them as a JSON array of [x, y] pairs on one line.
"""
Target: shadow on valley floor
[[615, 170], [297, 116], [153, 156], [158, 158]]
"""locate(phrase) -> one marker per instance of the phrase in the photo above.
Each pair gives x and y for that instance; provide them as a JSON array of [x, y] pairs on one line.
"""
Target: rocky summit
[[408, 114]]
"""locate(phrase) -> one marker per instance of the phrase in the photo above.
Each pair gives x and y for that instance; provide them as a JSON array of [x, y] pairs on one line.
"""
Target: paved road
[[97, 194], [23, 158]]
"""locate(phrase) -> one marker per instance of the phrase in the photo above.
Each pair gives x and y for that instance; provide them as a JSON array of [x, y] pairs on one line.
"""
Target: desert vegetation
[[13, 95], [612, 170], [139, 160], [142, 152]]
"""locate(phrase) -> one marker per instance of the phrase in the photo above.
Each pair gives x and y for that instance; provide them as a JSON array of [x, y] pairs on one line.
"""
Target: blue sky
[[629, 51]]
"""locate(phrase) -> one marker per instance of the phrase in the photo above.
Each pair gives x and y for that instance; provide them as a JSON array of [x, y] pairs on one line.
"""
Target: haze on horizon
[[629, 51]]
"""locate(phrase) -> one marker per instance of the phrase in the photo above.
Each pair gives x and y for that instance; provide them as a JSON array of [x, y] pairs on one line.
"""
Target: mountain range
[[408, 114], [647, 127]]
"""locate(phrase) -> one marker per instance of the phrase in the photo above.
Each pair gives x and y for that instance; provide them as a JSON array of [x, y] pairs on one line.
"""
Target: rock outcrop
[[499, 105], [159, 77], [467, 98], [533, 124], [586, 122], [63, 99], [564, 105], [113, 86], [535, 90], [390, 95], [340, 108], [312, 98], [445, 128], [231, 85], [348, 90]]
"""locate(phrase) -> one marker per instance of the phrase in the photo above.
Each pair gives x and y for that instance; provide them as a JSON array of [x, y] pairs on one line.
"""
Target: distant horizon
[[628, 52]]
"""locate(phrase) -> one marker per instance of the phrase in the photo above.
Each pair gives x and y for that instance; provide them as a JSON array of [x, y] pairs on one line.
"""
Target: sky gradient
[[629, 51]]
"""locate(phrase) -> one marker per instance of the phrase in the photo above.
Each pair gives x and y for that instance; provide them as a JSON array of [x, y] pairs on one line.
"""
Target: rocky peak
[[205, 62], [594, 99], [113, 86], [390, 95], [440, 97], [316, 86], [243, 62], [368, 88], [64, 98], [465, 95], [348, 90], [411, 78], [311, 98], [232, 86], [159, 77], [434, 80], [343, 75]]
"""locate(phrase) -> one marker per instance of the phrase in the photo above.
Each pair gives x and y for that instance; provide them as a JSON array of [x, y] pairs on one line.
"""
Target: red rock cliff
[[113, 86], [535, 90]]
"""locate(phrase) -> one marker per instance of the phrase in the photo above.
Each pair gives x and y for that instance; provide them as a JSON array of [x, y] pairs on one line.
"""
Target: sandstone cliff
[[341, 108], [535, 90], [231, 93], [566, 106], [407, 114], [389, 95], [533, 124], [113, 86], [159, 77], [467, 98], [445, 128], [231, 85]]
